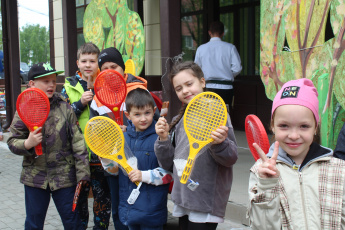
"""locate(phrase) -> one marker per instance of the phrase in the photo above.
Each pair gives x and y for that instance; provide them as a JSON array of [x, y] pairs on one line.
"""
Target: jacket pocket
[[27, 161], [68, 157]]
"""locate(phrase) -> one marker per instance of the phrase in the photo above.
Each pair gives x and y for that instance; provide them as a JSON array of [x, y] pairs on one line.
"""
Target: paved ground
[[12, 206]]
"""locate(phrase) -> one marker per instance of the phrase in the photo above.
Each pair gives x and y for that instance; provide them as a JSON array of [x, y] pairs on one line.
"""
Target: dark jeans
[[226, 94], [37, 202], [101, 200], [185, 224], [113, 182]]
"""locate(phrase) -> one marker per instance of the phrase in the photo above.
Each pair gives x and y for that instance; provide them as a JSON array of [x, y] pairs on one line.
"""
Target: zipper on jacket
[[303, 199]]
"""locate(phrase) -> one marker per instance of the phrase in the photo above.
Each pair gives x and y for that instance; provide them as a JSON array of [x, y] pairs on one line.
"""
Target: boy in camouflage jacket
[[64, 161]]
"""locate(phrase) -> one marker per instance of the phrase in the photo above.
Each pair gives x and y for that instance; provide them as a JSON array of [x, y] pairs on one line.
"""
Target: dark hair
[[88, 48], [139, 98], [190, 66], [217, 27], [193, 69]]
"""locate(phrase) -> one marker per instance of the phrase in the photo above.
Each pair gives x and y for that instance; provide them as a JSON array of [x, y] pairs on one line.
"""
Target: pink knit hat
[[298, 92]]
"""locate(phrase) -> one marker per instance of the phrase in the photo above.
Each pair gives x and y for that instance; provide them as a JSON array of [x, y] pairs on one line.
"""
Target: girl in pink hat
[[298, 184]]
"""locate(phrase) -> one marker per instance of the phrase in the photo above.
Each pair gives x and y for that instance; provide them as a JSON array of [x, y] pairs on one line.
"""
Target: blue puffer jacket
[[151, 206]]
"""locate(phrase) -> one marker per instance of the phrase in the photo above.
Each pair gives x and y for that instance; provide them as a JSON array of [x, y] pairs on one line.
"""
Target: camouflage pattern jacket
[[64, 161]]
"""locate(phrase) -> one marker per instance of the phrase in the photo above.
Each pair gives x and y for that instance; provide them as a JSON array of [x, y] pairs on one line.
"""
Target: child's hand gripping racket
[[105, 138], [33, 108], [256, 133], [205, 113], [110, 89]]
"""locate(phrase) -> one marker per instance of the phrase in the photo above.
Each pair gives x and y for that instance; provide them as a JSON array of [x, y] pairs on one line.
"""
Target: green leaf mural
[[301, 24], [110, 23]]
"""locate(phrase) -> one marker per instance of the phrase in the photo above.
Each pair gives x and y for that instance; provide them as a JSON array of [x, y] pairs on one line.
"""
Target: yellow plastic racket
[[105, 138], [205, 113], [130, 67]]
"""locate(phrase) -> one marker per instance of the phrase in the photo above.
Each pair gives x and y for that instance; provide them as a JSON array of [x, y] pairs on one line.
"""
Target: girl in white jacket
[[298, 184]]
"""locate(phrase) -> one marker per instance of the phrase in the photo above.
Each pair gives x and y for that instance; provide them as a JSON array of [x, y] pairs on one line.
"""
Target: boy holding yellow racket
[[111, 58], [140, 137]]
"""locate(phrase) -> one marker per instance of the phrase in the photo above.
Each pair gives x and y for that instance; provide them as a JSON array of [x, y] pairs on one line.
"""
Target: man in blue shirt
[[220, 63]]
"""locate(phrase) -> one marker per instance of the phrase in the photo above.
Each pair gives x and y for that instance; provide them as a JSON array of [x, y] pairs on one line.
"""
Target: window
[[241, 19], [192, 19], [242, 28], [187, 18], [188, 42], [80, 9]]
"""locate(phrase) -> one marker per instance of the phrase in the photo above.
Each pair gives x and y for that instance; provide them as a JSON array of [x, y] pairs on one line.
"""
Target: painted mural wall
[[110, 23], [293, 46]]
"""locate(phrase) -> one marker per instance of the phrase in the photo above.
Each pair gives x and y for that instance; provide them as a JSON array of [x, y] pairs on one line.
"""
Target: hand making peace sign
[[268, 169]]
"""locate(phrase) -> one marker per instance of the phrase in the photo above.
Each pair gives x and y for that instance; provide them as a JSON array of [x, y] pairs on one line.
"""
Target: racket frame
[[33, 126], [115, 108], [195, 145], [253, 124], [111, 156]]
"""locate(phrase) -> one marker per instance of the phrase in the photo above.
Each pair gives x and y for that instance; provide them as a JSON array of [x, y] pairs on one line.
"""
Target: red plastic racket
[[33, 108], [256, 133], [76, 195], [110, 89]]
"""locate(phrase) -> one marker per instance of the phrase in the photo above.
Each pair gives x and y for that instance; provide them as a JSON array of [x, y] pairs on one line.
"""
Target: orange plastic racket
[[256, 133], [110, 88], [33, 108], [205, 113], [105, 138]]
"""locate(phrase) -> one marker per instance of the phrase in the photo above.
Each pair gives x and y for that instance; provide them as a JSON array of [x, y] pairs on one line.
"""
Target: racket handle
[[187, 170], [128, 169], [38, 149], [76, 195], [118, 118], [119, 121]]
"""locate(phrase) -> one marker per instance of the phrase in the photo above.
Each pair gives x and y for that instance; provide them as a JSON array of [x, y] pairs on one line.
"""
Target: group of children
[[67, 160], [297, 185]]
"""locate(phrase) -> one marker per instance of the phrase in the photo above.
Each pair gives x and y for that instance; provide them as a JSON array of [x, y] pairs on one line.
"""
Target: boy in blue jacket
[[149, 211]]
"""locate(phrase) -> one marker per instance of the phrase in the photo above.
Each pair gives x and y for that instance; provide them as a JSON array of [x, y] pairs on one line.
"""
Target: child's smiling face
[[187, 86], [294, 127], [47, 84]]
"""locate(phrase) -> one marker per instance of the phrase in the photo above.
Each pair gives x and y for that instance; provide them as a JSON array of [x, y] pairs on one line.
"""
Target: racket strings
[[204, 116], [256, 137], [104, 137], [110, 88], [32, 107]]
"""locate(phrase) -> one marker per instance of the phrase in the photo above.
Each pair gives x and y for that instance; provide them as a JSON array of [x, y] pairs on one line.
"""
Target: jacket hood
[[131, 79], [316, 151], [132, 133]]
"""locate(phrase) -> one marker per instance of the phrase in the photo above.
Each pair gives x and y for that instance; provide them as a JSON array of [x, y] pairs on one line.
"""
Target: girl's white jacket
[[304, 206]]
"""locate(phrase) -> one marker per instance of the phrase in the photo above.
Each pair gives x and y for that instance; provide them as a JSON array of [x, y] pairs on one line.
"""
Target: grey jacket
[[212, 170]]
